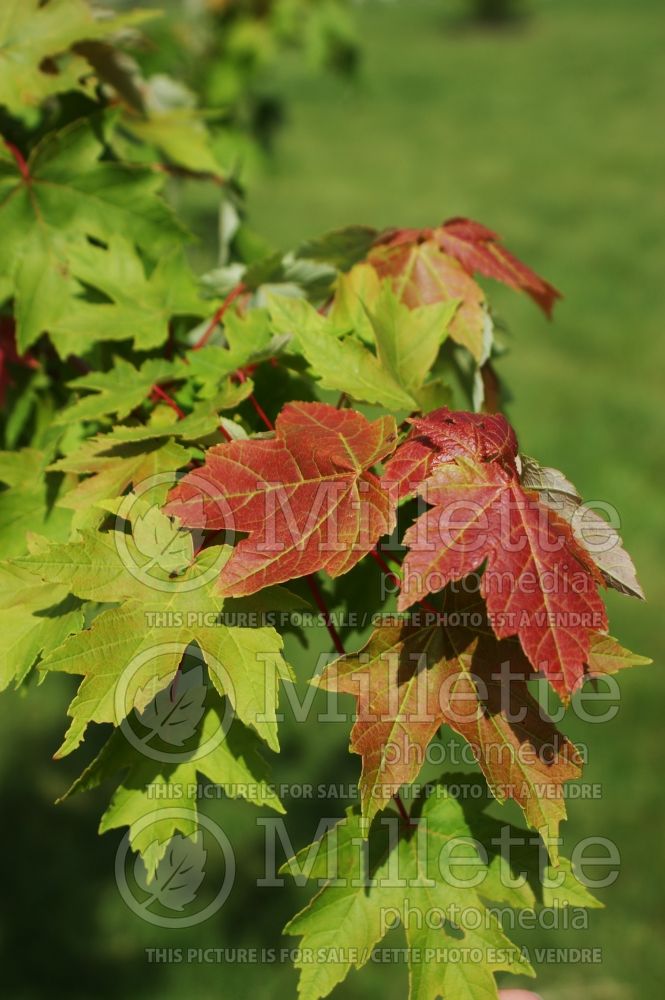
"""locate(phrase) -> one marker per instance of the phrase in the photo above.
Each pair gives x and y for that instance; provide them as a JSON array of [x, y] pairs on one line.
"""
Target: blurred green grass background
[[549, 130]]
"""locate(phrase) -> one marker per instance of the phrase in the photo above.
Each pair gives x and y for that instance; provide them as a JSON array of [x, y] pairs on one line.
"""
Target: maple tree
[[179, 447]]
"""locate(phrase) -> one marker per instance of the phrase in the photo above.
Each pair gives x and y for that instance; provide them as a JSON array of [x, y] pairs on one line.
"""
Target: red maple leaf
[[306, 497], [437, 264], [479, 252], [448, 434], [538, 582]]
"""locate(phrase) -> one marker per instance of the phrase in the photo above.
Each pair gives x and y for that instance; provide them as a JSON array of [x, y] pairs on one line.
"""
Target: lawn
[[549, 131]]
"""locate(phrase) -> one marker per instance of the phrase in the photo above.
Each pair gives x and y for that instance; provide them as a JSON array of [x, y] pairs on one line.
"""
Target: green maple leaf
[[343, 364], [32, 32], [35, 618], [29, 504], [607, 656], [164, 423], [48, 214], [416, 874], [111, 466], [137, 647], [203, 421], [140, 305], [171, 122], [247, 339], [118, 391], [159, 538], [408, 340], [151, 787], [124, 388], [340, 247], [422, 274], [180, 134], [355, 296]]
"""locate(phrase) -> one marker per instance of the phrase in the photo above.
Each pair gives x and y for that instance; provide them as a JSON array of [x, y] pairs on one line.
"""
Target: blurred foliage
[[226, 53]]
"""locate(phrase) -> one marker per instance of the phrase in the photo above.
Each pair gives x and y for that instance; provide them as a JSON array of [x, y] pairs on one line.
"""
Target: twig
[[378, 558]]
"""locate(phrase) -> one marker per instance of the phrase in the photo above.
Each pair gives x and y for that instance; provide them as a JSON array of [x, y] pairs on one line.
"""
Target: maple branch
[[313, 585], [218, 315]]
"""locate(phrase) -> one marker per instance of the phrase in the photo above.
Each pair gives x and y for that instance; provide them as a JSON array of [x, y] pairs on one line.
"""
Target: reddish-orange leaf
[[538, 582], [479, 251], [413, 676], [306, 497], [446, 434], [438, 264]]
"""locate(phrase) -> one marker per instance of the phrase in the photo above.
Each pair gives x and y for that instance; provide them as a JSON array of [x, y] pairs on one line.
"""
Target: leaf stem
[[402, 808], [313, 585], [158, 393], [395, 578], [242, 377], [21, 161], [218, 315], [378, 558]]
